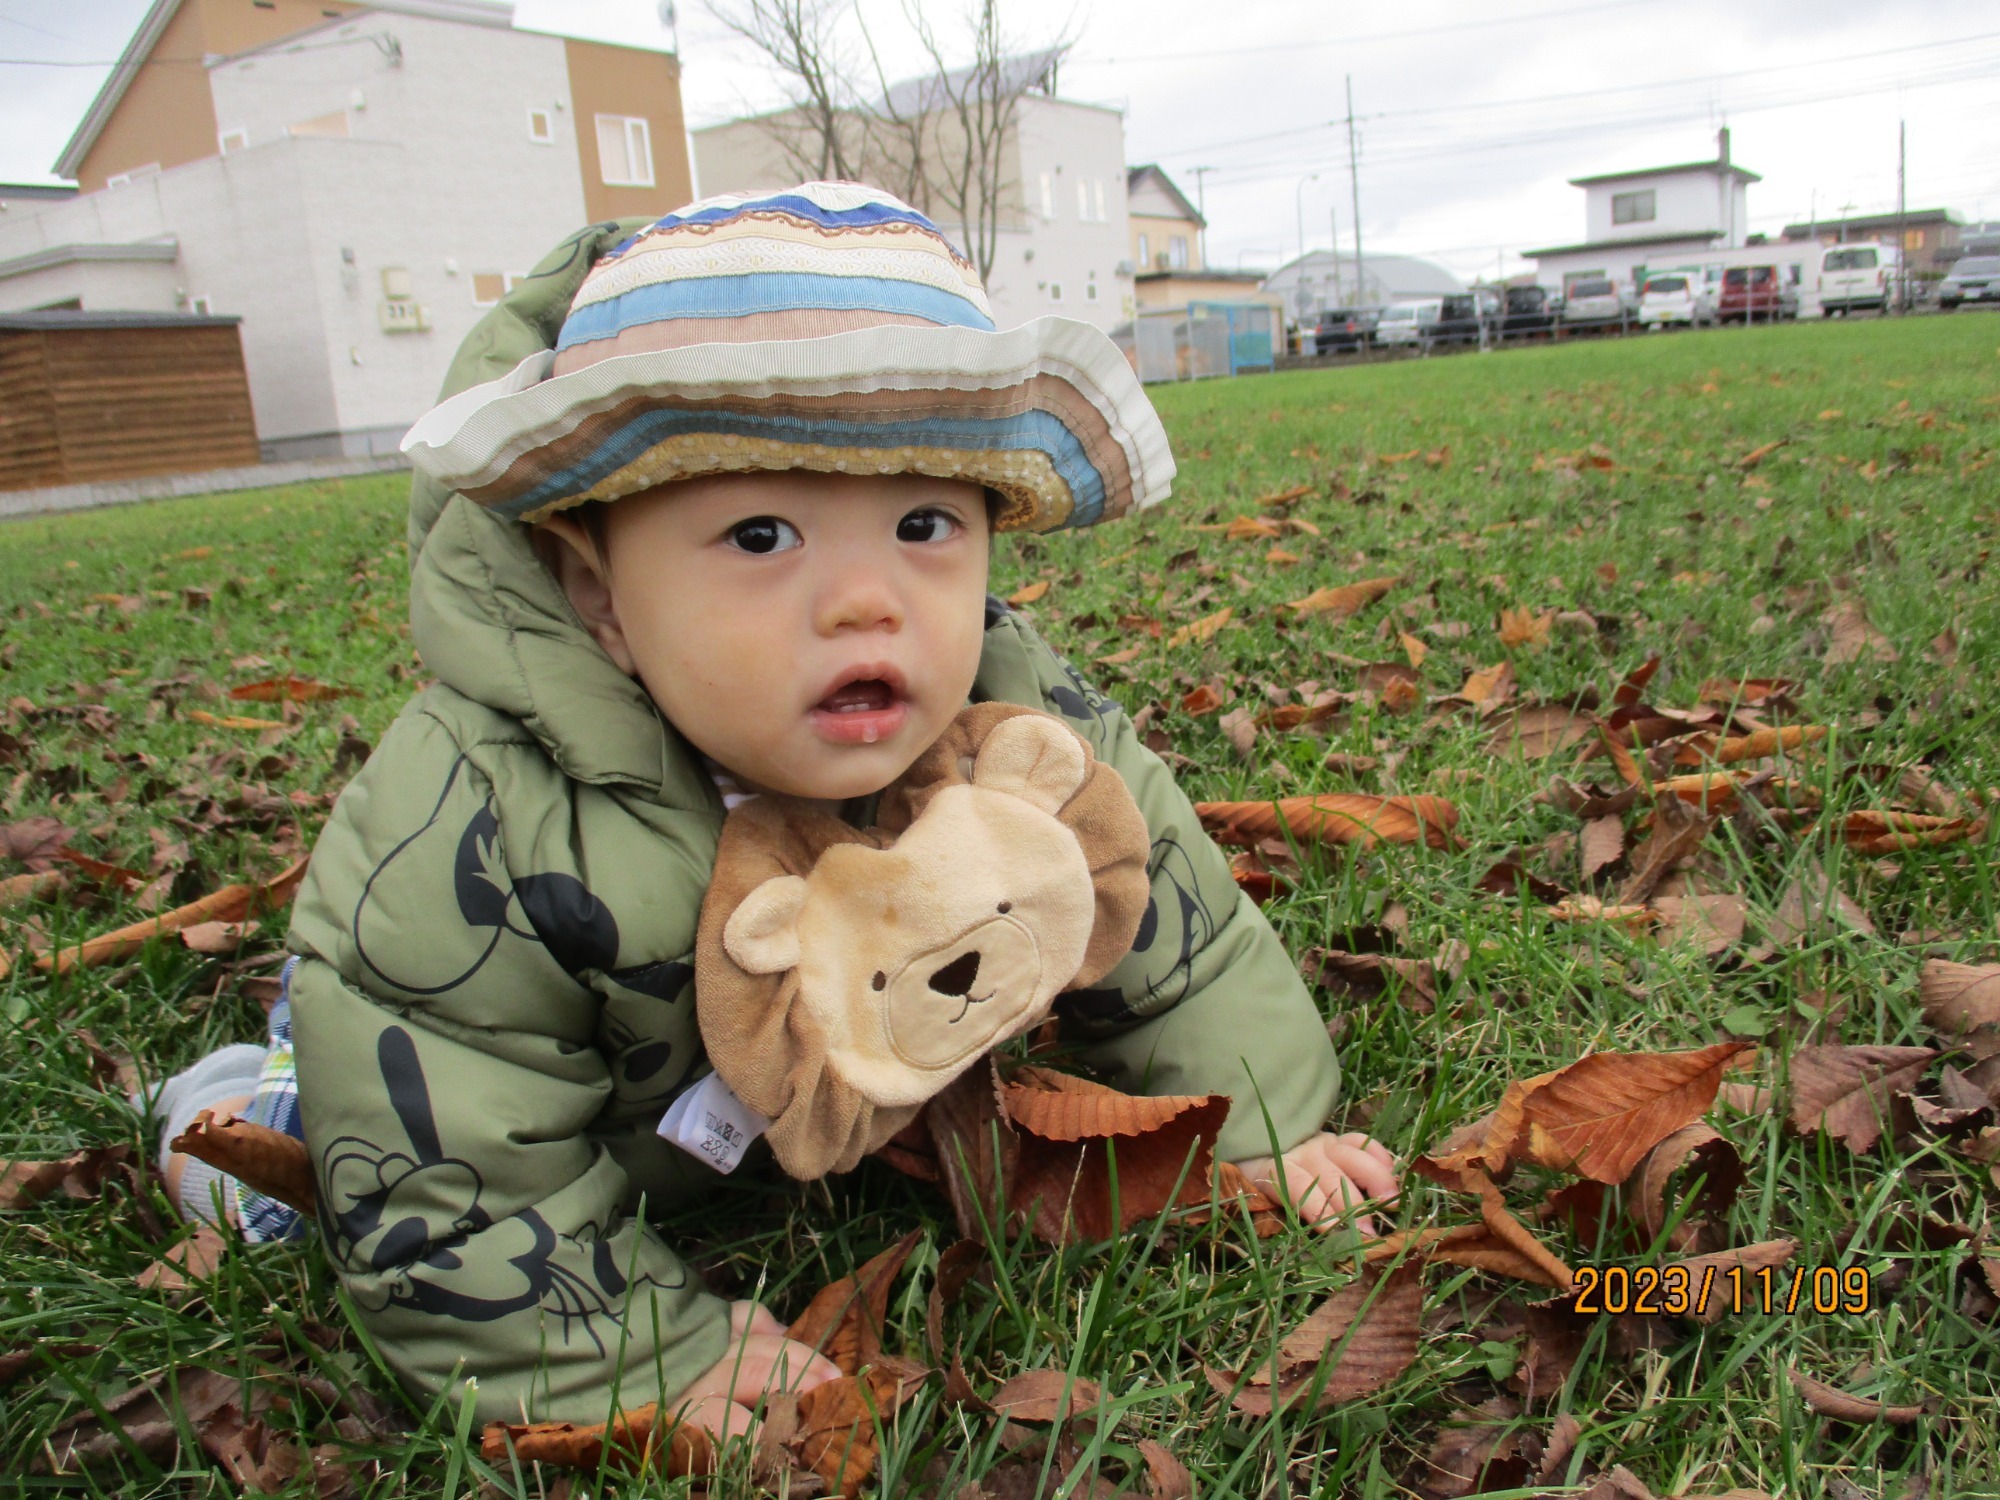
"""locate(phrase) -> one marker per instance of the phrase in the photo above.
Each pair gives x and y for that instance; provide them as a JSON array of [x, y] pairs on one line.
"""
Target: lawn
[[1809, 503]]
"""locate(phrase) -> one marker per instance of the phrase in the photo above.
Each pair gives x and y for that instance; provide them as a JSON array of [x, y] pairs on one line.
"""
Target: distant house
[[1930, 237], [356, 184], [1653, 216], [1322, 279], [1170, 265], [1062, 240]]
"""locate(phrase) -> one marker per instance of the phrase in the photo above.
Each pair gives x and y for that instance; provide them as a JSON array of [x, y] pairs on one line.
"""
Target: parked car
[[1975, 279], [1593, 302], [1346, 330], [1752, 294], [1467, 317], [1856, 278], [1407, 323], [1675, 297], [1529, 313]]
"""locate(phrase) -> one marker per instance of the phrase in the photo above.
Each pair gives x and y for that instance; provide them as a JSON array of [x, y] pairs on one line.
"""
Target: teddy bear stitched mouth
[[871, 694]]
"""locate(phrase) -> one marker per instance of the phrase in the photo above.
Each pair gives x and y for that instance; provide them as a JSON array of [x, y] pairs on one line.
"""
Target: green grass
[[1885, 492]]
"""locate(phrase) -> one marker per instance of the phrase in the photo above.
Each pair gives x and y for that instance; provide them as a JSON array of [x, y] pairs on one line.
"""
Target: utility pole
[[1201, 208], [1354, 181], [1333, 248], [1902, 234]]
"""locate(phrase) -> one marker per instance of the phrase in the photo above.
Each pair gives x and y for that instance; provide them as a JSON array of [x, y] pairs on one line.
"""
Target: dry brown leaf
[[1852, 637], [235, 903], [217, 938], [1167, 1477], [844, 1320], [81, 1174], [1368, 1330], [1488, 687], [1414, 649], [1471, 1245], [1289, 716], [1278, 557], [1028, 593], [287, 690], [638, 1440], [1599, 1116], [1202, 700], [1714, 922], [1809, 910], [1202, 629], [1701, 1151], [232, 721], [1746, 692], [1523, 627], [1342, 600], [1044, 1396], [1710, 1288], [264, 1160], [1602, 843], [957, 1265], [197, 1257], [1760, 743], [1846, 1091], [1478, 1451], [1829, 1402], [837, 1421], [18, 890], [1677, 833], [1119, 658], [1761, 452], [1286, 497], [1637, 918], [1333, 818], [1539, 732], [1072, 1132], [1962, 1001], [1252, 529], [36, 843], [975, 1148], [1885, 832]]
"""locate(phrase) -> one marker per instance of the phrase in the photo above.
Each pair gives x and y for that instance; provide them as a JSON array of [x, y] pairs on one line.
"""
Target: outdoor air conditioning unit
[[1124, 268]]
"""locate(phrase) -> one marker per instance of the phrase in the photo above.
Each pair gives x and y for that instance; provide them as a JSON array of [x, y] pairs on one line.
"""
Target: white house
[[1062, 245], [1657, 216], [359, 190], [1322, 279]]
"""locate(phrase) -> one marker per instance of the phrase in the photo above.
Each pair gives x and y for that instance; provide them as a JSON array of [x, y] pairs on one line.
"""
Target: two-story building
[[1063, 240], [1168, 252], [357, 183], [1929, 236], [1654, 216]]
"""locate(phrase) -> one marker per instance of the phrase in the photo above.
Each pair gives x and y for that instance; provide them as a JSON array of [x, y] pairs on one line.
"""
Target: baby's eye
[[925, 526], [762, 534]]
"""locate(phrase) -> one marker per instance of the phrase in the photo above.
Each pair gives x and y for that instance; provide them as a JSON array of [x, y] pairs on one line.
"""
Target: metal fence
[[1204, 339]]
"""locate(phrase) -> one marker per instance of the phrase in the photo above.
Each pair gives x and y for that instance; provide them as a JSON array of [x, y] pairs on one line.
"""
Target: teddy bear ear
[[762, 934], [1034, 758]]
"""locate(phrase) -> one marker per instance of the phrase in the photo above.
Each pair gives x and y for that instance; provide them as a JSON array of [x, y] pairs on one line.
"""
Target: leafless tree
[[802, 42]]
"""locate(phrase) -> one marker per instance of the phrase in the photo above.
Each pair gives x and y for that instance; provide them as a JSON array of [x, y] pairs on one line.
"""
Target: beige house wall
[[1178, 291], [1159, 234], [605, 80], [167, 115]]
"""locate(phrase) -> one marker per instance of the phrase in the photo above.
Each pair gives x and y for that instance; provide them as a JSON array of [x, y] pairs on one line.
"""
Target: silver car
[[1975, 279], [1592, 301], [1407, 323]]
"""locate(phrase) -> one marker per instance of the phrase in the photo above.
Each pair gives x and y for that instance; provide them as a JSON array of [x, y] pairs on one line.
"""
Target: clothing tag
[[710, 1122]]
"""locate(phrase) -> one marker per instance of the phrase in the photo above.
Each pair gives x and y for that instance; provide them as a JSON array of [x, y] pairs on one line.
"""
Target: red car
[[1750, 294]]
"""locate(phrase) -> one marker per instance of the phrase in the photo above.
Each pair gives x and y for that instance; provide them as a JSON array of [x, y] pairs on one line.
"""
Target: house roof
[[1136, 175], [1398, 275], [165, 251], [1685, 237], [1020, 73], [1253, 278], [37, 190], [1741, 174], [162, 12], [1871, 221]]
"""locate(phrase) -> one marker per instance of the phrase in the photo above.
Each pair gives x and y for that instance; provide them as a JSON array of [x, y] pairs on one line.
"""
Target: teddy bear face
[[916, 960]]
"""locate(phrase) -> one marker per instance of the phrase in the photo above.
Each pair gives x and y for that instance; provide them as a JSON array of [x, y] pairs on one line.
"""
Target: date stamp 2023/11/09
[[1678, 1291]]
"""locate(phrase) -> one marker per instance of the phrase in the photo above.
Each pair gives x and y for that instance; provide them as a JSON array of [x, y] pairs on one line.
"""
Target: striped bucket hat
[[830, 327]]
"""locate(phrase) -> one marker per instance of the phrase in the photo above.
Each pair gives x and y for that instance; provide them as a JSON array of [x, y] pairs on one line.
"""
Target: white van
[[1407, 322], [1857, 278], [1675, 297]]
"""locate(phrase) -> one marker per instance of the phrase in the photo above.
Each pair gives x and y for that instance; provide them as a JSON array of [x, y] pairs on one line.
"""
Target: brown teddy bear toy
[[844, 976]]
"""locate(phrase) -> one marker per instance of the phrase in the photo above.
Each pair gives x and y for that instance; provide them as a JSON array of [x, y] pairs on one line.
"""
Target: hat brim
[[1049, 414]]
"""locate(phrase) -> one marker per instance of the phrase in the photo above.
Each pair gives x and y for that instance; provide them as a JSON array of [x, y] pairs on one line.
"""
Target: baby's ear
[[1033, 757], [762, 934]]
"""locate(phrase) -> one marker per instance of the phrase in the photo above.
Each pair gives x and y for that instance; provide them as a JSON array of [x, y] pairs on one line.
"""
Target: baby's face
[[814, 633]]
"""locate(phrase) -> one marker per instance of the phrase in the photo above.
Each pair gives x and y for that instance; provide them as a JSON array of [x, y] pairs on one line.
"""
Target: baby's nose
[[956, 977]]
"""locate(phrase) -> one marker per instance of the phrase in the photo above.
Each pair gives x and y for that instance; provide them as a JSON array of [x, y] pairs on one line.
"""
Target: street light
[[1299, 202]]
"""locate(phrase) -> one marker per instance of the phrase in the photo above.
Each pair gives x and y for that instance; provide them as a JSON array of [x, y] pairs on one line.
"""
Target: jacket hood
[[490, 620]]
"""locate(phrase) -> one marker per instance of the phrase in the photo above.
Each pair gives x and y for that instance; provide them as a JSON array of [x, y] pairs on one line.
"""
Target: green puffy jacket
[[494, 1006]]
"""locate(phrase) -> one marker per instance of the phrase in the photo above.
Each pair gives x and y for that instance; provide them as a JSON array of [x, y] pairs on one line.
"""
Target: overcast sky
[[1473, 114]]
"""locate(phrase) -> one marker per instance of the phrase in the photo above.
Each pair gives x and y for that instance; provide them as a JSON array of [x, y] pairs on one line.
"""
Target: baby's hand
[[760, 1359], [1326, 1175]]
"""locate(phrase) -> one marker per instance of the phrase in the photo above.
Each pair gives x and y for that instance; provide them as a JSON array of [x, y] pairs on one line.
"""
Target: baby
[[728, 536]]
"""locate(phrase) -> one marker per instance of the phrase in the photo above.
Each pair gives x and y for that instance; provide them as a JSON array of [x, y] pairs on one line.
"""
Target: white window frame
[[239, 136], [638, 141], [546, 136], [1083, 199], [1048, 195], [1097, 192], [1177, 252], [1646, 199], [1145, 251], [126, 179]]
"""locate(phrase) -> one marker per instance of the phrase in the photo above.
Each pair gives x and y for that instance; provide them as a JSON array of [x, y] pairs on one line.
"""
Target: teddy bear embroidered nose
[[956, 977]]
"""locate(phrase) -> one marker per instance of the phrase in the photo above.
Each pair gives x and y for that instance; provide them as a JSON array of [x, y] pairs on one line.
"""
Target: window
[[1145, 251], [1097, 193], [1048, 196], [1090, 288], [541, 126], [1083, 199], [1055, 291], [233, 140], [1632, 208], [1851, 260], [1177, 252], [488, 287], [1913, 239], [624, 151], [121, 179], [201, 306]]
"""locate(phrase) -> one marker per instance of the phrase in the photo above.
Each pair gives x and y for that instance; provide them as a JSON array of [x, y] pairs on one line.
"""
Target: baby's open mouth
[[871, 695]]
